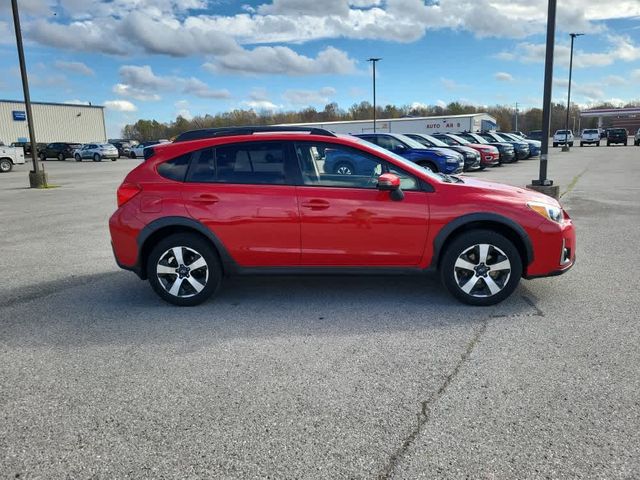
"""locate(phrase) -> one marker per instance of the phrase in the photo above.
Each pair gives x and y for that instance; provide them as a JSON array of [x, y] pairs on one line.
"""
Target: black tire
[[132, 154], [194, 243], [61, 157], [344, 168], [581, 144], [479, 295], [97, 158], [608, 144], [6, 165], [430, 166], [114, 159], [555, 144], [78, 157], [571, 144]]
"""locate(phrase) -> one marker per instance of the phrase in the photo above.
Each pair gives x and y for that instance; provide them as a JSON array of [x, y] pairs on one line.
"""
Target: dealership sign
[[19, 116]]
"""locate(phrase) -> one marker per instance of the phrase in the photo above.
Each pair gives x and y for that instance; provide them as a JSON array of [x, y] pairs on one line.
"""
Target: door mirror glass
[[388, 181]]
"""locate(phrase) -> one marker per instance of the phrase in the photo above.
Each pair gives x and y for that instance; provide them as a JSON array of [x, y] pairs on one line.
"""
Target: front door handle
[[206, 198], [316, 204]]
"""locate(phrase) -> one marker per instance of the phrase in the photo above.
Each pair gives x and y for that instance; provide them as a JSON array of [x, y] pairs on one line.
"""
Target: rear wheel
[[61, 157], [184, 269], [5, 165], [429, 166], [555, 144], [581, 144], [344, 168], [78, 157], [132, 154], [481, 268], [97, 158]]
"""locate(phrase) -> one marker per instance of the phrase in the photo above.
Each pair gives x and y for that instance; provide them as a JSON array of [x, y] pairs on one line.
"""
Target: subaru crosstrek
[[259, 200]]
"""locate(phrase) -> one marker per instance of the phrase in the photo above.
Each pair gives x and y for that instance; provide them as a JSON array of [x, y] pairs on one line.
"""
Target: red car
[[257, 200], [489, 155]]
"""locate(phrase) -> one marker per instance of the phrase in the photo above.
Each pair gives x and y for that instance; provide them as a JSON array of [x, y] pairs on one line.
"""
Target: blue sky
[[159, 58]]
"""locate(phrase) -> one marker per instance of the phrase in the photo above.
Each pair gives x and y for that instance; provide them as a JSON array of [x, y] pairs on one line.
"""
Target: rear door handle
[[206, 198], [316, 204]]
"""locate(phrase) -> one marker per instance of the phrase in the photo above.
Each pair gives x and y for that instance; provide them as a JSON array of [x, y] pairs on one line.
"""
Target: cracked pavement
[[316, 377]]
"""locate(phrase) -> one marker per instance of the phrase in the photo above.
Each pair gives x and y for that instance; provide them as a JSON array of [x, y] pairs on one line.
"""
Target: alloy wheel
[[482, 270], [182, 272]]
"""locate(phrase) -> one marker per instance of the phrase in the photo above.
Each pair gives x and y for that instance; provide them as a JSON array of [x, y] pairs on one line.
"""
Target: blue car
[[534, 145], [436, 159]]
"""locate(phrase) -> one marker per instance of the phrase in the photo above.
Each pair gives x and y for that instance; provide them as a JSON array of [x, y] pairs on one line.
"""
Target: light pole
[[516, 129], [543, 184], [374, 61], [37, 177], [565, 147]]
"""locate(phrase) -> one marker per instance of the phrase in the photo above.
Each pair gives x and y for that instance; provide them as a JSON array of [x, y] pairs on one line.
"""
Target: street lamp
[[542, 183], [565, 147], [374, 61], [37, 177]]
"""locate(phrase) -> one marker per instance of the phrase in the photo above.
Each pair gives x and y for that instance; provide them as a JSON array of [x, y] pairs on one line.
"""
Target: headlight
[[549, 212], [453, 160]]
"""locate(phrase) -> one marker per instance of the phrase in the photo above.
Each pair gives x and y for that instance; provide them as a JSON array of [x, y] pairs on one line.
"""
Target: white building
[[473, 122], [53, 122]]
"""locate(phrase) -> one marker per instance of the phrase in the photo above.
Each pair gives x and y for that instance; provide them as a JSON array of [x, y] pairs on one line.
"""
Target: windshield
[[591, 131], [400, 160], [563, 132], [436, 142], [478, 139], [411, 143], [460, 140]]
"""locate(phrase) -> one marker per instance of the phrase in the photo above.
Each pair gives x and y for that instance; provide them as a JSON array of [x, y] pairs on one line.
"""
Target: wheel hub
[[482, 270], [183, 271]]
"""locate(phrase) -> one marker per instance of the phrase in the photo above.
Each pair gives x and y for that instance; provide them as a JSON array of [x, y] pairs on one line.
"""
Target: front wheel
[[571, 144], [429, 166], [78, 157], [555, 144], [184, 269], [5, 165], [97, 158], [344, 168], [481, 268], [132, 154]]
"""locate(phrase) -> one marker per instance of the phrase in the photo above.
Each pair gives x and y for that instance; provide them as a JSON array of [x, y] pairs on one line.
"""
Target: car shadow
[[116, 308]]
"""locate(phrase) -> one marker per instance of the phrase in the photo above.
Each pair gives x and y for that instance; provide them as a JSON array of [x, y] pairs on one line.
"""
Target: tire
[[429, 166], [608, 144], [344, 168], [465, 250], [114, 159], [571, 144], [78, 157], [43, 157], [555, 144], [581, 144], [193, 248], [6, 165], [97, 158], [132, 154], [61, 157]]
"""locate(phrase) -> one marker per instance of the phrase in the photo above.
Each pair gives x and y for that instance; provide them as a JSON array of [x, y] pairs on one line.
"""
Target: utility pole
[[374, 61], [37, 177], [516, 129], [565, 147], [543, 184]]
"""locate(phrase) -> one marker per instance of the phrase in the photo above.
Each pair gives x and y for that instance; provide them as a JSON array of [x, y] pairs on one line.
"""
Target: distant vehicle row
[[592, 136]]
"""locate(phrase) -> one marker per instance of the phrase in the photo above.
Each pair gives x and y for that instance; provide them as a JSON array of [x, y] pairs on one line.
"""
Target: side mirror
[[400, 148], [390, 182]]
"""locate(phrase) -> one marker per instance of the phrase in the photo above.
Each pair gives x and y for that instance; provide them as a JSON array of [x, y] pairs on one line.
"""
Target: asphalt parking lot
[[316, 377]]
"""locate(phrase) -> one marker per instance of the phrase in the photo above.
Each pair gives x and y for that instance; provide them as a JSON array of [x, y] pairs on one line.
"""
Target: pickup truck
[[10, 156], [590, 136], [636, 138], [563, 136]]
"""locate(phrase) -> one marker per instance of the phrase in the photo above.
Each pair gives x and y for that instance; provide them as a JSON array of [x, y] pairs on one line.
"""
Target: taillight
[[126, 192]]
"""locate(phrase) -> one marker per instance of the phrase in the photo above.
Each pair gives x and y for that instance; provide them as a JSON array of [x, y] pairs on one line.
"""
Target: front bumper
[[554, 247]]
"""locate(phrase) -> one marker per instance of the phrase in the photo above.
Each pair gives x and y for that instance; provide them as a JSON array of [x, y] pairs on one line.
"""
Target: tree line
[[527, 120]]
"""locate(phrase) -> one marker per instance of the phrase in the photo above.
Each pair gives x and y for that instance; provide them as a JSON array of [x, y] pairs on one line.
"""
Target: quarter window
[[175, 169]]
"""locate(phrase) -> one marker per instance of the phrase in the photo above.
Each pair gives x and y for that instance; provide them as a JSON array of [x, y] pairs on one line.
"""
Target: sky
[[156, 59]]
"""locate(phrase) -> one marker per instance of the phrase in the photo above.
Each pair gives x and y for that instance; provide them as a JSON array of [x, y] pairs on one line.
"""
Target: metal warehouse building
[[53, 122]]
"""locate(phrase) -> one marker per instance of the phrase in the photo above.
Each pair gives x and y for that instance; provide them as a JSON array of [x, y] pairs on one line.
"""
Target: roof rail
[[248, 130]]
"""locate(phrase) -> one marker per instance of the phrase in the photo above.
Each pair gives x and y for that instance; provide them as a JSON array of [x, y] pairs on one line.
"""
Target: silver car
[[96, 152]]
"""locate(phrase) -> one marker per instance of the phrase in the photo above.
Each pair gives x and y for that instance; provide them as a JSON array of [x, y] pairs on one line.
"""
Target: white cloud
[[125, 90], [120, 105], [259, 93], [196, 87], [449, 84], [283, 61], [309, 97], [182, 109], [77, 102], [503, 77], [74, 67], [259, 105], [635, 75]]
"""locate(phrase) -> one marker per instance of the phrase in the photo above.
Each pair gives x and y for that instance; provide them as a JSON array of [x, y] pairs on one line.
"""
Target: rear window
[[591, 131], [175, 169], [618, 130]]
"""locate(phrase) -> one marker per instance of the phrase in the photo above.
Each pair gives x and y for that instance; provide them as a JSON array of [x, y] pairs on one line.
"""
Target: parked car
[[59, 150], [124, 148], [138, 150], [562, 137], [535, 135], [472, 159], [10, 156], [535, 146], [518, 133], [636, 138], [617, 135], [520, 146], [435, 159], [507, 151], [590, 136], [224, 195], [490, 156], [96, 152]]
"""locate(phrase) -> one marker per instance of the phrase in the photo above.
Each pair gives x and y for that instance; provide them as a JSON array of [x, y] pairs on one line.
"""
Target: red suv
[[258, 200]]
